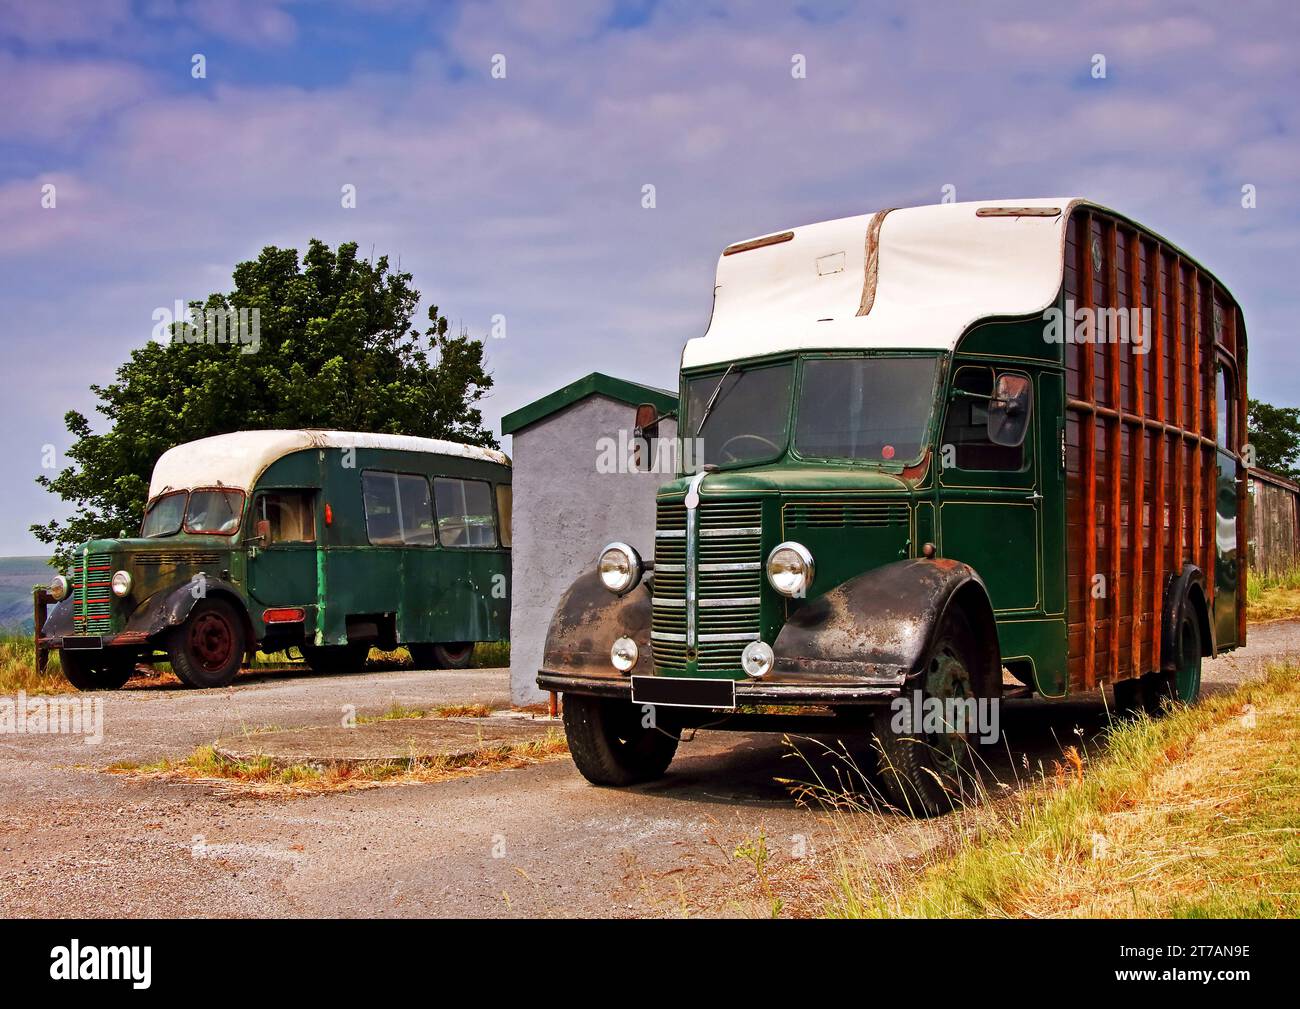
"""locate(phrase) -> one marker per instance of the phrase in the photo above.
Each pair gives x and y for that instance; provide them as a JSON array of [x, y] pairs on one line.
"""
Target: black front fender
[[878, 627], [169, 608], [587, 621]]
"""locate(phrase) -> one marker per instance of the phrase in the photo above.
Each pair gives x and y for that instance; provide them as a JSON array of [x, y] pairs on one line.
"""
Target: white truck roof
[[913, 278], [238, 459]]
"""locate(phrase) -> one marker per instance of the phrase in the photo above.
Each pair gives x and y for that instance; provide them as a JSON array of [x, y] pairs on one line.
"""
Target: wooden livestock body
[[1153, 444]]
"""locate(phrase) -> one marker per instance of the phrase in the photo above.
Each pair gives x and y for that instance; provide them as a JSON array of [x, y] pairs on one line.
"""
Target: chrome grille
[[92, 596], [728, 586]]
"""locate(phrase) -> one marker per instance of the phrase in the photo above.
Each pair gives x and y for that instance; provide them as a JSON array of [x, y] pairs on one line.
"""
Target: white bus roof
[[898, 279], [238, 459]]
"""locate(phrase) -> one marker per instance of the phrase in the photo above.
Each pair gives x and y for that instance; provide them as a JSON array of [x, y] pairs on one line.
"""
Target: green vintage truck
[[325, 541], [938, 443]]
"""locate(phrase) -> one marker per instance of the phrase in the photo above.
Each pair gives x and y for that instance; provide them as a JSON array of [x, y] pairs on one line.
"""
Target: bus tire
[[336, 660], [102, 672], [454, 656], [609, 744], [931, 774], [207, 649]]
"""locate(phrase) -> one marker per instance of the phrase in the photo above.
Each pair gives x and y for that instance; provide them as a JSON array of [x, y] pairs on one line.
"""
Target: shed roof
[[239, 458], [595, 384]]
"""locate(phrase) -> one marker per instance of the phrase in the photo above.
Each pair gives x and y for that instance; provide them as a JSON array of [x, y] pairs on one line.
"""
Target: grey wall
[[564, 513]]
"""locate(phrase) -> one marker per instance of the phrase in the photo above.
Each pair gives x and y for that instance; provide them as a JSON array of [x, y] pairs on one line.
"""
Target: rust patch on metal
[[1018, 212], [872, 269], [587, 621], [758, 243]]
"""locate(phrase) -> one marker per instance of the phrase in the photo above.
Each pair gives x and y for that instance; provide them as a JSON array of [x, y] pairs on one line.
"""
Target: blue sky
[[522, 196]]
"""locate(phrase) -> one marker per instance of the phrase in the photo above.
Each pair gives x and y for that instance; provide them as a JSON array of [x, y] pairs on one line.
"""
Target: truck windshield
[[214, 511], [872, 409], [741, 415], [163, 517]]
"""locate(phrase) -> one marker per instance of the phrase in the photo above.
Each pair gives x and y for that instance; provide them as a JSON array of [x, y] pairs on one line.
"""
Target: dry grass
[[398, 712], [1191, 814], [18, 669], [1273, 597], [263, 777]]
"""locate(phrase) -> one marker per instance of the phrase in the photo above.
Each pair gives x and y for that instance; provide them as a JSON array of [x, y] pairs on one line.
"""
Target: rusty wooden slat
[[1156, 259], [1198, 454], [1088, 463], [1176, 444], [1115, 467], [1137, 471]]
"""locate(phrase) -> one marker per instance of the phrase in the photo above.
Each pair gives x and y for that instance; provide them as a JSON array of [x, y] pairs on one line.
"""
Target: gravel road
[[535, 841]]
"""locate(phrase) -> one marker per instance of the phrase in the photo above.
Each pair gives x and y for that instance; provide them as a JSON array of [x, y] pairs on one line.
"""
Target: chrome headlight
[[58, 589], [790, 569], [756, 660], [620, 568], [121, 583], [623, 655]]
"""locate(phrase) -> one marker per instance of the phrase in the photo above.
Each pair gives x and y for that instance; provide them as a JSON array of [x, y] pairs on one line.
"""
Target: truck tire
[[96, 670], [927, 774], [207, 649], [609, 744], [1183, 684], [336, 660]]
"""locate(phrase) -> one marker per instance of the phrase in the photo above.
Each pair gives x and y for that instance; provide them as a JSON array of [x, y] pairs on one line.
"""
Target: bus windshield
[[740, 415], [163, 517], [870, 409]]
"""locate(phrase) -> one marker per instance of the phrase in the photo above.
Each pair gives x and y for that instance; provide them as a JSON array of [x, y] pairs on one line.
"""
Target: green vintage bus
[[951, 454], [325, 541]]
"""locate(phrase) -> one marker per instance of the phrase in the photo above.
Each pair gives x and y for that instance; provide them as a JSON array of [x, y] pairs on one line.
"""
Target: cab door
[[990, 495], [282, 549], [1227, 484]]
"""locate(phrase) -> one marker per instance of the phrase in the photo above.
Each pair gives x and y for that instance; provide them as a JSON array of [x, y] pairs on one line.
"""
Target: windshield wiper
[[708, 407]]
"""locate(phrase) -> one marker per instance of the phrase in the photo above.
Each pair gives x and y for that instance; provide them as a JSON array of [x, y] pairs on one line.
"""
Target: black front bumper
[[748, 692]]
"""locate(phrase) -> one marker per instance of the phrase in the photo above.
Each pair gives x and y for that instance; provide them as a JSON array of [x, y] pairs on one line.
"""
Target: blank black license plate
[[81, 642], [683, 692]]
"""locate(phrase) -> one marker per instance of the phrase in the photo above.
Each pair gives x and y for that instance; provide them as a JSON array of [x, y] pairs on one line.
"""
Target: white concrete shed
[[578, 485]]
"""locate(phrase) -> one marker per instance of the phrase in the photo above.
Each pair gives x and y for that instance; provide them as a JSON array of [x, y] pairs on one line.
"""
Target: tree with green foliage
[[1274, 435], [333, 349]]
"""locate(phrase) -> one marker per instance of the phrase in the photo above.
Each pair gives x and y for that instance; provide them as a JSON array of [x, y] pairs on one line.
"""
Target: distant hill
[[18, 576]]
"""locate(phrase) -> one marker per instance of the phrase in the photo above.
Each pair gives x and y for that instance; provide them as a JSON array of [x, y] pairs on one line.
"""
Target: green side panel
[[1043, 642], [997, 539]]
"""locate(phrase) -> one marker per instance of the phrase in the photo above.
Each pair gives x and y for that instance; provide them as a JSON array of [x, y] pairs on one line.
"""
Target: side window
[[1224, 412], [398, 509], [967, 427], [285, 516], [465, 513], [504, 504]]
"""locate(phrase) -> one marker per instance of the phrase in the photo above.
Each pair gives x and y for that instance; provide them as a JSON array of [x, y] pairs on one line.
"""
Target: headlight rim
[[127, 582], [768, 653], [636, 567], [809, 566], [632, 646]]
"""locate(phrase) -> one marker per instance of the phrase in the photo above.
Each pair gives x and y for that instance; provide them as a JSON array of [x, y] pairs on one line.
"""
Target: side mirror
[[1009, 410], [647, 420], [262, 530]]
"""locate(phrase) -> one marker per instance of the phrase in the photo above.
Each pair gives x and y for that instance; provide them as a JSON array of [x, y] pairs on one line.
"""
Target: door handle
[[1035, 497]]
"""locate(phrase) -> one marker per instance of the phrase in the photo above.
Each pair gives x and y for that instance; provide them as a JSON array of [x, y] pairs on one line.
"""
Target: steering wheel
[[732, 457]]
